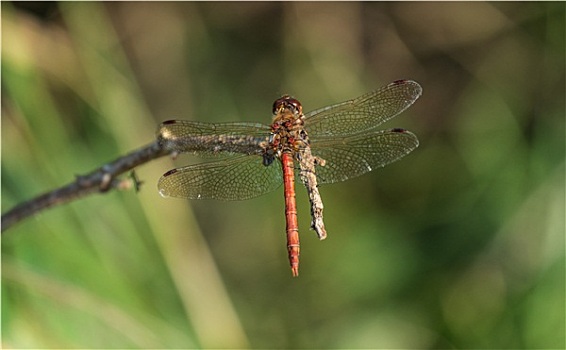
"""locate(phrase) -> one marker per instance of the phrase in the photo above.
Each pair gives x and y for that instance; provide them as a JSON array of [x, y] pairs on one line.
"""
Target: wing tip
[[417, 88]]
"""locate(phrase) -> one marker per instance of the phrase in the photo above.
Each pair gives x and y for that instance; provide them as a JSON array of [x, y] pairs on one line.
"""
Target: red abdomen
[[291, 212]]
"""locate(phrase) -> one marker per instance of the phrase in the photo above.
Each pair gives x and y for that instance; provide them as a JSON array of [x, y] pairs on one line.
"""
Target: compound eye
[[287, 102], [278, 103], [296, 105]]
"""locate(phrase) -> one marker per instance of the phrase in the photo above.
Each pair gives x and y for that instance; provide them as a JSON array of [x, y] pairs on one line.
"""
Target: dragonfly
[[328, 145]]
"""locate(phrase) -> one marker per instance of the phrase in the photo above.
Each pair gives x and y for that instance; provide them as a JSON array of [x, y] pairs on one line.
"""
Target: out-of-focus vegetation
[[458, 245]]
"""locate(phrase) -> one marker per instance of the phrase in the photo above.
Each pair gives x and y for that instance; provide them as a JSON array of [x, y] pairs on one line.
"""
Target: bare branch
[[100, 180]]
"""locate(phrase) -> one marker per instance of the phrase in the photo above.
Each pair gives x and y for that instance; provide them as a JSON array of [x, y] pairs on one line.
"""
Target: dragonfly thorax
[[287, 129]]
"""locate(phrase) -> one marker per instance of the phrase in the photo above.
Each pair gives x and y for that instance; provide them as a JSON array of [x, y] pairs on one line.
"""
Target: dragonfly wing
[[234, 178], [206, 139], [182, 128], [352, 156], [363, 113]]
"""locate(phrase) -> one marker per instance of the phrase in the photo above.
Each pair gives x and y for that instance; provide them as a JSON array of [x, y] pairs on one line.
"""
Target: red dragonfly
[[328, 145]]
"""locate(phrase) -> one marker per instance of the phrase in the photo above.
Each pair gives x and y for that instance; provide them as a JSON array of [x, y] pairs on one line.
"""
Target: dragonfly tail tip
[[295, 271]]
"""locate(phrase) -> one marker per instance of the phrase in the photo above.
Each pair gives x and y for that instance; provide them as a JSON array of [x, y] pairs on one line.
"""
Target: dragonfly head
[[287, 102]]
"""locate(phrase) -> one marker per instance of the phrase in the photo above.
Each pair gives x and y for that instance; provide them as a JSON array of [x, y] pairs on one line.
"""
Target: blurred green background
[[458, 245]]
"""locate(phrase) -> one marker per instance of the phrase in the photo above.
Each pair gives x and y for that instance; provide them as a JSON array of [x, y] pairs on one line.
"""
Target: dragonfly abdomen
[[292, 224]]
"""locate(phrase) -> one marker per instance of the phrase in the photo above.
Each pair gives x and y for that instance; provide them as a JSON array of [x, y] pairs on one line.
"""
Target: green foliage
[[458, 245]]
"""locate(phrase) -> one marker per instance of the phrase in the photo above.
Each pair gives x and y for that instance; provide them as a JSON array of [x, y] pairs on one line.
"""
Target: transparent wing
[[183, 128], [352, 156], [210, 138], [234, 178], [363, 113]]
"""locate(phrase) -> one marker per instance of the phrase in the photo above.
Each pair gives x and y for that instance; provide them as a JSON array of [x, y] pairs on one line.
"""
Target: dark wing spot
[[170, 172]]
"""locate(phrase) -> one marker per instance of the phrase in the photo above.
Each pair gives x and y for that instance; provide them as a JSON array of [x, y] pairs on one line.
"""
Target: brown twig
[[100, 180]]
